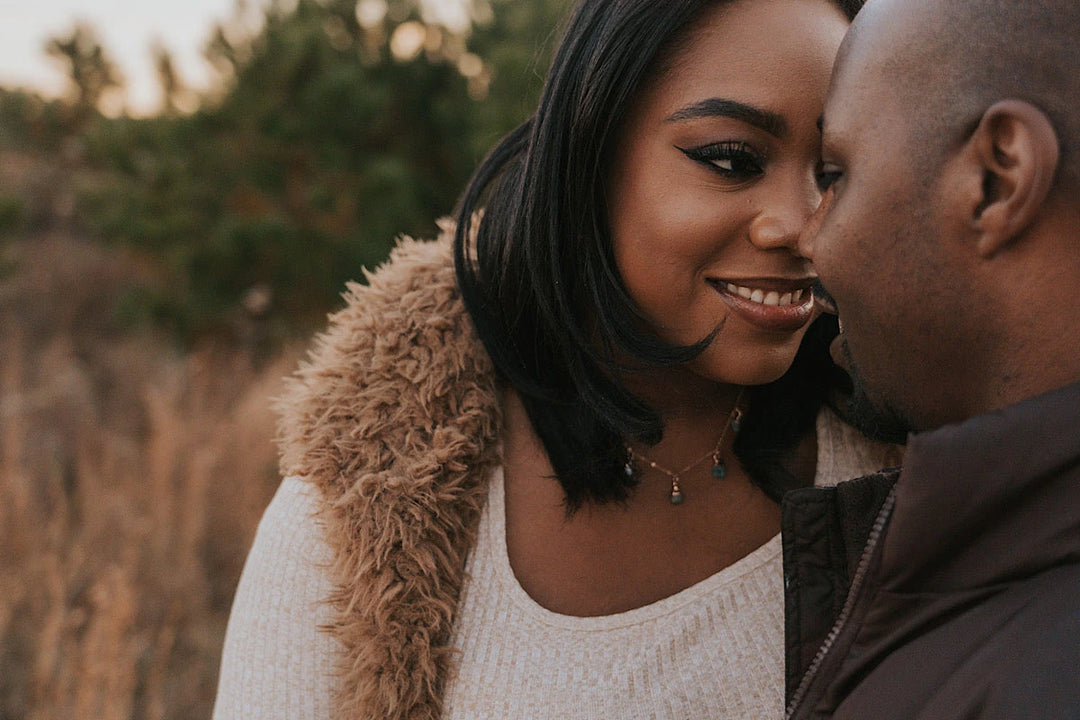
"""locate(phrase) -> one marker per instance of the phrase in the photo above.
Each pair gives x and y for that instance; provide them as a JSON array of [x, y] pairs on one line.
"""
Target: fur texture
[[395, 418]]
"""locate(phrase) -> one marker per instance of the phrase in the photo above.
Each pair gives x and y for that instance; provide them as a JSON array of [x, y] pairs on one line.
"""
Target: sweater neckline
[[493, 527], [833, 438]]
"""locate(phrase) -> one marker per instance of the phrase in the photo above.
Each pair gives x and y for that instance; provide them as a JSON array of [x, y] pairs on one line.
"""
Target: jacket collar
[[989, 500], [825, 532], [395, 420]]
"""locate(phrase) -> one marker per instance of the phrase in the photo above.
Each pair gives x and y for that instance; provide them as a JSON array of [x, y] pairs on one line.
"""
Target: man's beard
[[876, 419]]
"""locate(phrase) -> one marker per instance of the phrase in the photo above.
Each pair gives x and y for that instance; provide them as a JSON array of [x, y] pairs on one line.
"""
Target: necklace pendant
[[719, 470], [676, 492]]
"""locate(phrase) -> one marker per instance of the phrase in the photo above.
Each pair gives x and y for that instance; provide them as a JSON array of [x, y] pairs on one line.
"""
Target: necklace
[[719, 469]]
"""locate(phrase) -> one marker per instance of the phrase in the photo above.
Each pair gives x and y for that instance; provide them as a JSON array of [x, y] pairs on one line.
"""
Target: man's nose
[[781, 224], [810, 230]]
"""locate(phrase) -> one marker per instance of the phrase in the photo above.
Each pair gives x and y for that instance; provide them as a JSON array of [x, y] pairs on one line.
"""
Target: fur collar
[[395, 419]]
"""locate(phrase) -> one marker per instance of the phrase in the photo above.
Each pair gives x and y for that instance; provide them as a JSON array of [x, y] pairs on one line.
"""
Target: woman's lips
[[770, 304]]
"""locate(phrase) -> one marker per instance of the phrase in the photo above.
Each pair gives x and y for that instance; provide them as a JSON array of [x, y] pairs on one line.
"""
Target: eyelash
[[826, 175], [744, 161]]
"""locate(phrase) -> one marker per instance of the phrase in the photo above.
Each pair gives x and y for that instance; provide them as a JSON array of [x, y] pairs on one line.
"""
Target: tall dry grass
[[131, 482]]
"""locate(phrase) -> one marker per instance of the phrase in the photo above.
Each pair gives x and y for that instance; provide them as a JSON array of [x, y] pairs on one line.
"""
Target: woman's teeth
[[770, 297]]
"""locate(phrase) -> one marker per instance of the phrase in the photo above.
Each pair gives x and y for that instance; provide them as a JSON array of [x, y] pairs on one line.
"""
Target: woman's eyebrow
[[770, 122]]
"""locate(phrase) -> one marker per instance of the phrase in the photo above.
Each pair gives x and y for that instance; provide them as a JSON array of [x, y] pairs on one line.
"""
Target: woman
[[542, 455]]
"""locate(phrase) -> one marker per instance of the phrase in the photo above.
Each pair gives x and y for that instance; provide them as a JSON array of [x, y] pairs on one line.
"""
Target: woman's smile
[[772, 304]]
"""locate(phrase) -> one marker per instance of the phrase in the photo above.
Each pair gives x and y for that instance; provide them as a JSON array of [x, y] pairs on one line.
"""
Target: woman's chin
[[750, 366]]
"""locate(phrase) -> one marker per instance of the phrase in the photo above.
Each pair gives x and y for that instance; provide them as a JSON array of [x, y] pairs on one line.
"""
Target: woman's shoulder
[[289, 557], [845, 453], [290, 525], [276, 661], [393, 420]]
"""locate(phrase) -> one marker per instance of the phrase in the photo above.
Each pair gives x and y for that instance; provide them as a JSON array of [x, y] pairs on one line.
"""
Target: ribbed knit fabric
[[714, 650], [276, 663], [709, 651]]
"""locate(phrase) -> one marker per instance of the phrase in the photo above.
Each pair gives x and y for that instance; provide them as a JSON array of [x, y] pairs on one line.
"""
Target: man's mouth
[[839, 351], [823, 298]]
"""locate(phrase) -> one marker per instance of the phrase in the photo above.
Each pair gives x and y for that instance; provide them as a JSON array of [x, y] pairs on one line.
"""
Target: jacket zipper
[[845, 613]]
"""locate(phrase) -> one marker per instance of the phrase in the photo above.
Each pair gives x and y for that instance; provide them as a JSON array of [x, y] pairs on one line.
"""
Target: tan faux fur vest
[[395, 419]]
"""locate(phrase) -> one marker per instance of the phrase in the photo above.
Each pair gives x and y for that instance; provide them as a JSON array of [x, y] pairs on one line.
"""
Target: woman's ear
[[1018, 151]]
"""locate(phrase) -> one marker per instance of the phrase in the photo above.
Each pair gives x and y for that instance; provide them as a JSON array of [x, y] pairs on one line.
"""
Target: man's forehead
[[865, 76], [851, 93], [864, 47]]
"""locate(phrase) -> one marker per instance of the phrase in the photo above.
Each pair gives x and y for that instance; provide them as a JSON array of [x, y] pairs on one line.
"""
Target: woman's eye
[[732, 159], [827, 174]]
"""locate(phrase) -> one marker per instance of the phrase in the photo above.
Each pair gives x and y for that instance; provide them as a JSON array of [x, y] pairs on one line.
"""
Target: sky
[[127, 29]]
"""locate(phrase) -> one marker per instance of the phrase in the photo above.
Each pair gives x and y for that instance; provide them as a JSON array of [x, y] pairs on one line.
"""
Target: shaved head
[[949, 60], [949, 231]]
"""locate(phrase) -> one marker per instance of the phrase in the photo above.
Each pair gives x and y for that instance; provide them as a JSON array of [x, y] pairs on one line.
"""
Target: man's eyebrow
[[770, 122]]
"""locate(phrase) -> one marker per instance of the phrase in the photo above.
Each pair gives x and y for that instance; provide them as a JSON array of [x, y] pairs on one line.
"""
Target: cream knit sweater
[[714, 650]]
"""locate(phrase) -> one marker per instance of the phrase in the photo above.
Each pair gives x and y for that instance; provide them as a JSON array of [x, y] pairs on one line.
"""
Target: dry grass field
[[132, 477]]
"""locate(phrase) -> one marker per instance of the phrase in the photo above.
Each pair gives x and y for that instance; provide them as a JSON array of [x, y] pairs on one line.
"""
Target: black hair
[[537, 273]]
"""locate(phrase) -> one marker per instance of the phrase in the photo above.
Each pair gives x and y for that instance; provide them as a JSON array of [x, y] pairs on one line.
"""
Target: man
[[949, 240]]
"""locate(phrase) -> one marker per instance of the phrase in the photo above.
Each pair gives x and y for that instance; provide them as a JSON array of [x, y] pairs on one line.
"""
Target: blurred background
[[183, 193]]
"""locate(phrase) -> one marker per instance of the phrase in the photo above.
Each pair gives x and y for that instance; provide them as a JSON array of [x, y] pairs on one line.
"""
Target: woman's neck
[[696, 415], [681, 397]]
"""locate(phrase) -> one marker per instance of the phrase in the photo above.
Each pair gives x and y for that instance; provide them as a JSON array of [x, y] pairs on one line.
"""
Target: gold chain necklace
[[719, 469]]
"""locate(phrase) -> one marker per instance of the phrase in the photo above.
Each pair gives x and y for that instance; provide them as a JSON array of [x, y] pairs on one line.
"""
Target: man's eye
[[827, 175], [731, 159]]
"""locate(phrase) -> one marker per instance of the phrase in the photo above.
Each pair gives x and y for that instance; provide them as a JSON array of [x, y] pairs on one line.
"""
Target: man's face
[[877, 242]]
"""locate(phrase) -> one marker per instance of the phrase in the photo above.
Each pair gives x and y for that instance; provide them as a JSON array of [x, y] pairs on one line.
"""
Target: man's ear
[[1018, 151]]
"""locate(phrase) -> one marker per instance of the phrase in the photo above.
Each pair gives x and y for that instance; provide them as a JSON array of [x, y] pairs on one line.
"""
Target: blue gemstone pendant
[[719, 470], [676, 491]]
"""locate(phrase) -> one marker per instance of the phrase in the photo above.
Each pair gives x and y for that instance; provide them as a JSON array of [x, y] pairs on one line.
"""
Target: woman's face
[[714, 177]]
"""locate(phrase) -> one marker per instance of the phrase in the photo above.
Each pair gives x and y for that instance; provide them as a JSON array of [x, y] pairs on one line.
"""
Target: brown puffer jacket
[[964, 575]]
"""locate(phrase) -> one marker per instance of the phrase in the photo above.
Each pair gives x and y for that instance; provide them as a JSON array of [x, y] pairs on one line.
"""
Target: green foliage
[[12, 215], [518, 45], [320, 150], [12, 222], [27, 121]]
